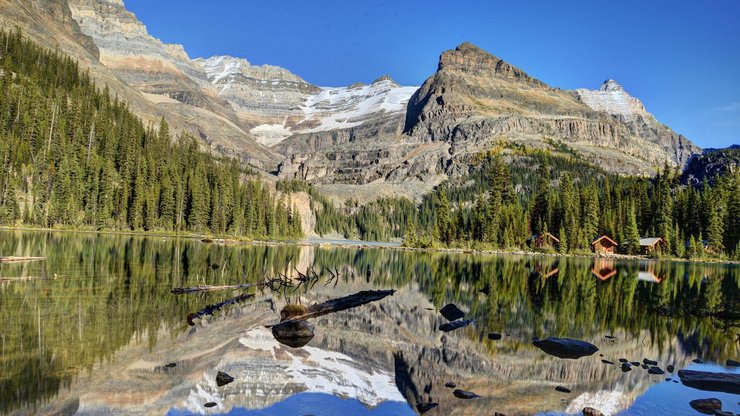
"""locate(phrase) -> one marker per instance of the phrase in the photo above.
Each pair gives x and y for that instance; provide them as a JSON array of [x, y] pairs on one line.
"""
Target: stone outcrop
[[475, 98], [380, 134]]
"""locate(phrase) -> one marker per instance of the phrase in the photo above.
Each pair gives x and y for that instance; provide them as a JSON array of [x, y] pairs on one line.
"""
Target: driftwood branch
[[17, 259], [208, 310], [210, 288], [340, 304]]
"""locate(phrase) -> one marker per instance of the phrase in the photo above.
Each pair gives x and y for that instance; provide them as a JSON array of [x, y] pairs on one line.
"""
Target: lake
[[94, 329]]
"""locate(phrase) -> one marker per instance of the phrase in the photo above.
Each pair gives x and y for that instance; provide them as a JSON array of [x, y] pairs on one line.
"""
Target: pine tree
[[444, 225], [631, 243]]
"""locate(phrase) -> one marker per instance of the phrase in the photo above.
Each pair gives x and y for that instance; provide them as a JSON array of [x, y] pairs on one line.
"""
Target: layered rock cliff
[[383, 136], [475, 98]]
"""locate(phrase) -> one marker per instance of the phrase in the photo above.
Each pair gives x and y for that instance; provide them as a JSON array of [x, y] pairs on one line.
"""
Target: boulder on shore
[[703, 380], [565, 347]]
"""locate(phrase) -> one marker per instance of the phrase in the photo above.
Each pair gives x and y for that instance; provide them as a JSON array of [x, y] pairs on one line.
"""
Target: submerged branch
[[208, 310], [210, 288], [340, 304]]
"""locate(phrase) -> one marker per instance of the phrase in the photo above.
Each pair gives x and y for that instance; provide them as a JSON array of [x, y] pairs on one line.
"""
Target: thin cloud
[[733, 107]]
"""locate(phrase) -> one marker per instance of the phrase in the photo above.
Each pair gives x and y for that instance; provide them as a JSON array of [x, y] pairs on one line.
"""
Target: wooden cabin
[[649, 245], [544, 240], [604, 269], [604, 244]]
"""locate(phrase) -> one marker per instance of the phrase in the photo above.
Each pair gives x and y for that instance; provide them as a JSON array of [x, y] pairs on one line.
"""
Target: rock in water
[[562, 389], [494, 337], [425, 407], [626, 367], [450, 385], [565, 347], [210, 404], [732, 363], [670, 368], [655, 370], [706, 406], [451, 326], [590, 411], [451, 312], [649, 362], [607, 362], [697, 361], [223, 379], [703, 380], [294, 334], [462, 394], [170, 365]]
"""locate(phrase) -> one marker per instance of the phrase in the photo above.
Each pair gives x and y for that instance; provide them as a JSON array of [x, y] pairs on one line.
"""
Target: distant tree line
[[73, 156], [577, 203], [512, 196]]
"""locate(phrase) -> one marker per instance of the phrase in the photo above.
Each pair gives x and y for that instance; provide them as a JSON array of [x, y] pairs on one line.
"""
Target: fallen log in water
[[210, 288], [19, 259], [208, 310], [340, 304]]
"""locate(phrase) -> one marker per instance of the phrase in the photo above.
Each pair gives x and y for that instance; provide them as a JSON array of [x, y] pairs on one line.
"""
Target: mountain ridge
[[362, 134]]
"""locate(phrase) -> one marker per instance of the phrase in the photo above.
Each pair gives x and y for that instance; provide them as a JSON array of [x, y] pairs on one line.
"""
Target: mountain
[[710, 163], [391, 139], [476, 99]]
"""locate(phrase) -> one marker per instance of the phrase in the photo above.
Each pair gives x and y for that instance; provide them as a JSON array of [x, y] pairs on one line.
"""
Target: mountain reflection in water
[[93, 327]]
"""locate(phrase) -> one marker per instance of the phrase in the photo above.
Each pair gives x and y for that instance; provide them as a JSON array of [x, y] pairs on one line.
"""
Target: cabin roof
[[649, 241], [606, 237], [545, 234]]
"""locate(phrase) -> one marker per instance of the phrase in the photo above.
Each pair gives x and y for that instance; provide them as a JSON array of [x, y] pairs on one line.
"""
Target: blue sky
[[681, 58]]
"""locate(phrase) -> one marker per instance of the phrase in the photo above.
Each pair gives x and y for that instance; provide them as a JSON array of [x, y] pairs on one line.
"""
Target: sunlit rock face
[[475, 98]]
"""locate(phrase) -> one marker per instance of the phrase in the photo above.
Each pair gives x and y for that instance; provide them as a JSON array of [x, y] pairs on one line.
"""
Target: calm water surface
[[90, 330]]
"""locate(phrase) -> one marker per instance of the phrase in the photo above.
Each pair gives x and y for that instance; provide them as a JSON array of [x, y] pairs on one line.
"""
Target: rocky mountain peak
[[386, 78], [613, 99], [470, 58], [611, 85]]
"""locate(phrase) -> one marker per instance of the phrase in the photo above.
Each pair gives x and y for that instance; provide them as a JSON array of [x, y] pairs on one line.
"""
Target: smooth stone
[[635, 363], [626, 367], [670, 368], [644, 366], [655, 370], [562, 389], [462, 394], [732, 363], [698, 361], [590, 411], [649, 362], [294, 334], [451, 326], [704, 380], [210, 404], [170, 365], [450, 385], [565, 347], [223, 379], [623, 360], [425, 407], [494, 336], [451, 312], [706, 406]]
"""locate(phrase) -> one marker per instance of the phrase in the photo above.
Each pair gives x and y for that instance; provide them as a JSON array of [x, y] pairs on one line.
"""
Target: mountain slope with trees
[[73, 156]]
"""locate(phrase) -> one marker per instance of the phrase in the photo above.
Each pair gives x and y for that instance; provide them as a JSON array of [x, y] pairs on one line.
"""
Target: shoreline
[[334, 242]]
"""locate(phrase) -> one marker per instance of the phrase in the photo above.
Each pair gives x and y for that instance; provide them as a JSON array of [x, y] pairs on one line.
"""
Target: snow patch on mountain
[[270, 134], [345, 107], [613, 99]]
